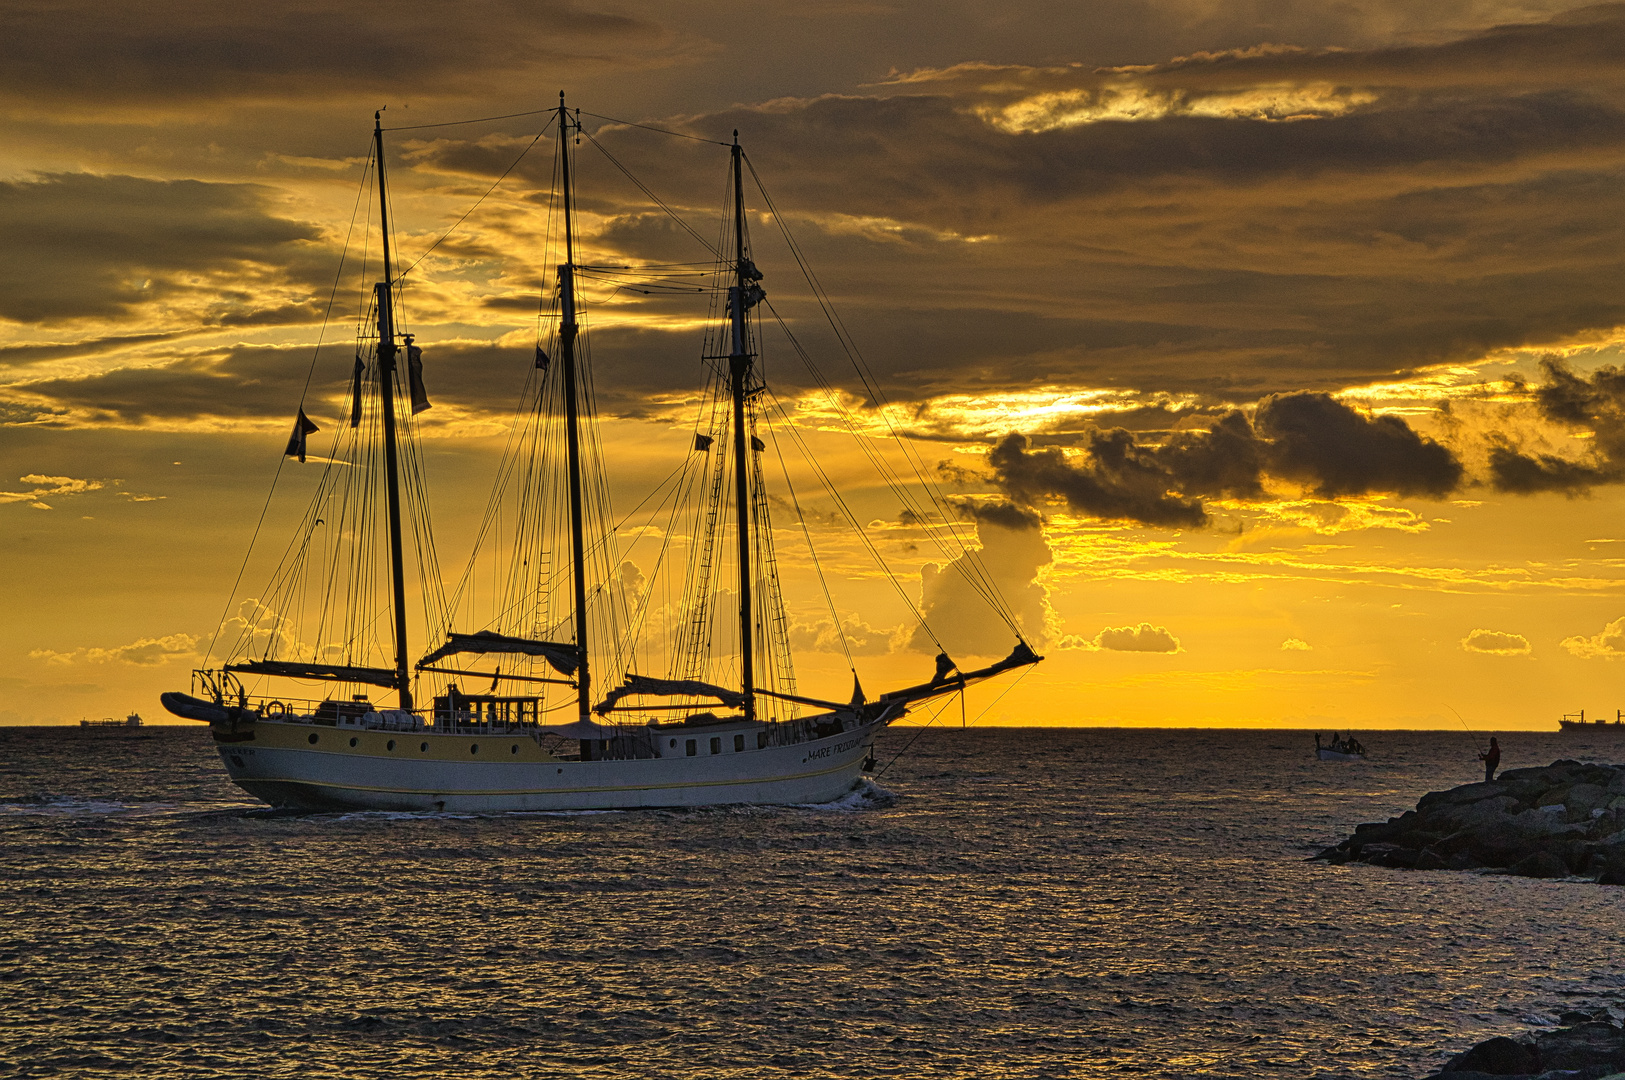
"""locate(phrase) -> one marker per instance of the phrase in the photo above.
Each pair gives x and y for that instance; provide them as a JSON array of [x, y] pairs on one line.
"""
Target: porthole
[[424, 748], [739, 744], [716, 745], [474, 748], [674, 744], [313, 738], [237, 761], [353, 741], [514, 749], [390, 745], [761, 740]]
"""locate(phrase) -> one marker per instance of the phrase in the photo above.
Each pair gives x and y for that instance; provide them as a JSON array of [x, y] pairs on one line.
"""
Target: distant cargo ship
[[1573, 723], [131, 721]]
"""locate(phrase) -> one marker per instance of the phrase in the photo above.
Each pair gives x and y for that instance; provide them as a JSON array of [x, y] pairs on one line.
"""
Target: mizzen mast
[[386, 390], [742, 295], [569, 329]]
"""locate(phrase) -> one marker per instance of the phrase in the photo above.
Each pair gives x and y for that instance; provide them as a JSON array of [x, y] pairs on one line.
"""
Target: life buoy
[[275, 708]]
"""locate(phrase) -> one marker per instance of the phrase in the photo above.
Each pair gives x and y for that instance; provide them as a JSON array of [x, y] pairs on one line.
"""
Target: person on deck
[[1491, 759]]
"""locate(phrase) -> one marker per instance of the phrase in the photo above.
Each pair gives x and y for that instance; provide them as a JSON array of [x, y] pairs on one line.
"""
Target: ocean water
[[1000, 903]]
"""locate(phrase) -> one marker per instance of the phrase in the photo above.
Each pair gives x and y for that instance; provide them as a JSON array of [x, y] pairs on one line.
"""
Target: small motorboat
[[1341, 749]]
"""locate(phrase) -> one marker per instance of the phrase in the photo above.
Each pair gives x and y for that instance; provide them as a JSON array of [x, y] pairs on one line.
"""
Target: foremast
[[742, 295], [569, 329], [386, 391]]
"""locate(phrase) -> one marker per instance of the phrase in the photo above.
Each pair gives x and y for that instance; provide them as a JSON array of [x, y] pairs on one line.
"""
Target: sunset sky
[[1274, 347]]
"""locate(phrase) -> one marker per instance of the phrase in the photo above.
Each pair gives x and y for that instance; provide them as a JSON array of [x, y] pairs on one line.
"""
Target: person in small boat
[[1491, 759]]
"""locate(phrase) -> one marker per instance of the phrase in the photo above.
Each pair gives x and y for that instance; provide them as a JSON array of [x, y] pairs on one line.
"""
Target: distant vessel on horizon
[[721, 725], [131, 721], [1577, 724], [1341, 749]]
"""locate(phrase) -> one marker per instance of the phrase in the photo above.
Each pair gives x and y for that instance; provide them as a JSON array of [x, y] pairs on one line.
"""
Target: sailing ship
[[688, 736]]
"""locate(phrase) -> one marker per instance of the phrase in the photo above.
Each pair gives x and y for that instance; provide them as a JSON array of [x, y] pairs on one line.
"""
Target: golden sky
[[1271, 349]]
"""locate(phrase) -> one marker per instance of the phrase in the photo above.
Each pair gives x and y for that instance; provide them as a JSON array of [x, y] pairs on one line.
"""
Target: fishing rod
[[1477, 738]]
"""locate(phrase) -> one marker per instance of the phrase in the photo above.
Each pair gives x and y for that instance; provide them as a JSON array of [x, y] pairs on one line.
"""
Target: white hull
[[418, 770], [1333, 755]]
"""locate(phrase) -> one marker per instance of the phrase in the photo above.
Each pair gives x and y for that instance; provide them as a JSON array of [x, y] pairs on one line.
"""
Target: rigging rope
[[650, 127], [477, 202], [327, 314], [970, 557], [651, 195]]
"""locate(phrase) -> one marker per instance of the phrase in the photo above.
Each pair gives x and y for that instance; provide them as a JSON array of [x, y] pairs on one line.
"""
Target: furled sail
[[302, 429], [562, 658], [292, 669], [355, 392], [646, 684], [942, 683], [414, 378]]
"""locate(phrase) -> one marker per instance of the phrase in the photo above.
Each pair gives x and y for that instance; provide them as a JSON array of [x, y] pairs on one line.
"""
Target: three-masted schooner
[[691, 740]]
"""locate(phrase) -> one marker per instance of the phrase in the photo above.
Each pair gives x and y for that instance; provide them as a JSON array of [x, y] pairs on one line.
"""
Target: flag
[[355, 392], [542, 359], [702, 443], [302, 428], [414, 378]]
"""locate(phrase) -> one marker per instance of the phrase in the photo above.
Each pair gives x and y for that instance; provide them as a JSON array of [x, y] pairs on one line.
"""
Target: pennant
[[355, 392], [542, 359], [702, 443], [757, 444], [302, 428], [414, 378]]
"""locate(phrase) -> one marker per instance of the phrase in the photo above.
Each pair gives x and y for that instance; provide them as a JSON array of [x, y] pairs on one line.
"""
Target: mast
[[739, 369], [567, 347], [386, 390]]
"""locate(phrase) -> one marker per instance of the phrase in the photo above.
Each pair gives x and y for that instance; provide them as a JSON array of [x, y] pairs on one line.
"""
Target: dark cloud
[[1006, 515], [175, 51], [264, 381], [1595, 404], [1307, 438], [1119, 480], [85, 246], [1320, 442]]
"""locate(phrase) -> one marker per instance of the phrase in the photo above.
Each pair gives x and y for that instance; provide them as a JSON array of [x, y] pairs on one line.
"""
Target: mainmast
[[386, 390], [739, 364], [568, 330]]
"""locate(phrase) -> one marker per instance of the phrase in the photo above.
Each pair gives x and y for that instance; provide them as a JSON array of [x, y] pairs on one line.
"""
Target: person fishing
[[1491, 759]]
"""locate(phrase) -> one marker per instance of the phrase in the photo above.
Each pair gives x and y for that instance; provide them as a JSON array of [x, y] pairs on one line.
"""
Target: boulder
[[1581, 1046], [1499, 1056], [1611, 877], [1453, 818], [1541, 864], [1554, 796], [1459, 796], [1584, 798]]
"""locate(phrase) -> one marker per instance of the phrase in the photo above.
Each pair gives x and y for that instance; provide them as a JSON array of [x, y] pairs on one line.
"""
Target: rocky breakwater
[[1592, 1047], [1562, 820]]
